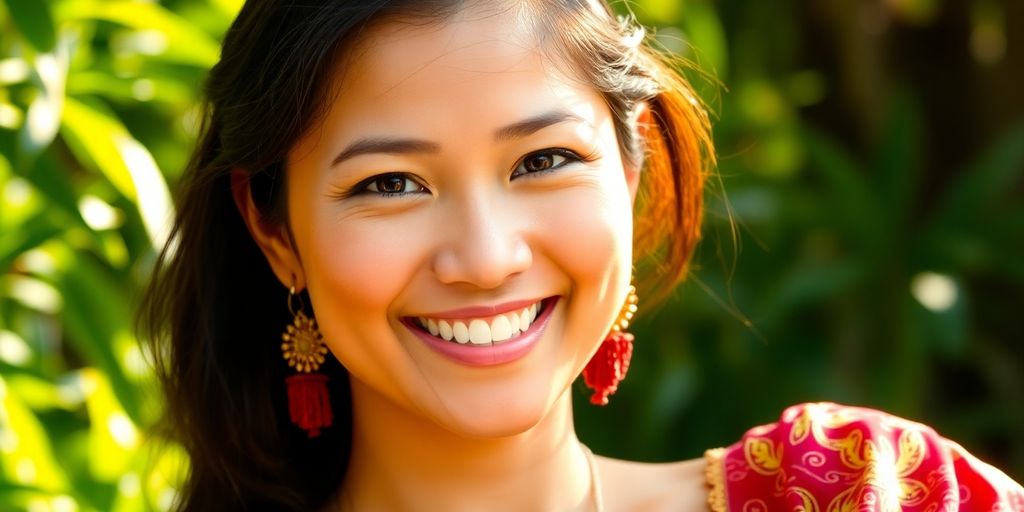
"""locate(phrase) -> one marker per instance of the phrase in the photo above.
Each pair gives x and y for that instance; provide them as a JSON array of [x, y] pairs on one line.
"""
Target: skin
[[429, 433]]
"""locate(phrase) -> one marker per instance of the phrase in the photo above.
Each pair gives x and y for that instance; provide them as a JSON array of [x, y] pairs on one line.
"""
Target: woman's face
[[458, 168]]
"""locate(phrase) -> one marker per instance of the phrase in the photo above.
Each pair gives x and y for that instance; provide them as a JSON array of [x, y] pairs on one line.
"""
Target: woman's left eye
[[392, 184], [544, 160]]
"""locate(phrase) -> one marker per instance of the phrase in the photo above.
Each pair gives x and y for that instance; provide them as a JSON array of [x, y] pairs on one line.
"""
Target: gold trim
[[714, 479]]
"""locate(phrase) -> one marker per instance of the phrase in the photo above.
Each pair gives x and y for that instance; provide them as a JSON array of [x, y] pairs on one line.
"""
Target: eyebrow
[[534, 124], [399, 146]]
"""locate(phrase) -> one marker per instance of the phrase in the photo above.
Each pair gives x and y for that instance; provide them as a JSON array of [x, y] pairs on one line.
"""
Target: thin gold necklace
[[595, 481]]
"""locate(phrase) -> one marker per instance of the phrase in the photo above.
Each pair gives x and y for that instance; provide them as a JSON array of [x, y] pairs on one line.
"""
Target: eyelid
[[359, 189], [570, 155]]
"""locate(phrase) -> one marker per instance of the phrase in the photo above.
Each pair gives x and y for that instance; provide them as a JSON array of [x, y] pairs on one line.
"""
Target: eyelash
[[570, 157]]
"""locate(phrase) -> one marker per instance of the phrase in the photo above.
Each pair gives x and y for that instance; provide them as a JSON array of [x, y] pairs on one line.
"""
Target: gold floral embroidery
[[808, 502], [871, 467], [762, 455]]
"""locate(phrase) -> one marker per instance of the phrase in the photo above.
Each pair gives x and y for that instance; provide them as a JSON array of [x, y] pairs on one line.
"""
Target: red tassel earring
[[309, 402], [608, 367]]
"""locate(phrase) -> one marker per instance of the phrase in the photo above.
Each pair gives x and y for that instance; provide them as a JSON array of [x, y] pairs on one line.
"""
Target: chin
[[497, 418]]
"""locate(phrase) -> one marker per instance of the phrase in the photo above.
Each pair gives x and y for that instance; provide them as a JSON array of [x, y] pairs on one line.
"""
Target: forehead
[[473, 67]]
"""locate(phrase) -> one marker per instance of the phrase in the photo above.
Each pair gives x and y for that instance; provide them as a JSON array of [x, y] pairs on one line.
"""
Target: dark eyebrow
[[535, 123], [403, 146], [385, 145]]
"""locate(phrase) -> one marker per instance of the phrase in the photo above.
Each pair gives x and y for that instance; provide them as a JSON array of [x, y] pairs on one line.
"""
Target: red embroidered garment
[[830, 458]]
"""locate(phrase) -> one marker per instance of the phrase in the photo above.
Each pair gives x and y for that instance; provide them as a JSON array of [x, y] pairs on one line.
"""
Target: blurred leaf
[[25, 236], [809, 283], [96, 312], [114, 437], [93, 135], [34, 21], [28, 458], [160, 32], [850, 196], [996, 172], [897, 158], [49, 179], [706, 36], [131, 90], [100, 140]]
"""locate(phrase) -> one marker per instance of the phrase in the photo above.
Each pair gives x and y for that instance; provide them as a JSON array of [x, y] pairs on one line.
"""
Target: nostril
[[486, 263]]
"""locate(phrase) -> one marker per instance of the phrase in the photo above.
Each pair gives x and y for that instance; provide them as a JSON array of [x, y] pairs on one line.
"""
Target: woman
[[448, 189]]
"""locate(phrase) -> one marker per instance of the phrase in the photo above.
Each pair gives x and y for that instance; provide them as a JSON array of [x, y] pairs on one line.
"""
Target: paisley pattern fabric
[[829, 458]]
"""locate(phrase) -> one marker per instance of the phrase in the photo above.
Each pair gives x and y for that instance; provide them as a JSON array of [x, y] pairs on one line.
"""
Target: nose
[[483, 244]]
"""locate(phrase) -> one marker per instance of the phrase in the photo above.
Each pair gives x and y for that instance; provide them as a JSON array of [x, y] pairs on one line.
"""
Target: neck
[[401, 461]]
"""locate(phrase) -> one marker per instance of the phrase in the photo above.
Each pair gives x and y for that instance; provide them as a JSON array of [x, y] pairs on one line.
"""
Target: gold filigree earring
[[610, 363], [309, 402]]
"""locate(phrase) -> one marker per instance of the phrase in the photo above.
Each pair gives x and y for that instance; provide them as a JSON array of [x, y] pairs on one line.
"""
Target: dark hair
[[214, 310]]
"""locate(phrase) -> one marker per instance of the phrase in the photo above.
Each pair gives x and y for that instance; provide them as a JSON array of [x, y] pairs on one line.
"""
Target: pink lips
[[489, 355]]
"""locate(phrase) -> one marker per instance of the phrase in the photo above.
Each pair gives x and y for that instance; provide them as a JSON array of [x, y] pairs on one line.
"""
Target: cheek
[[589, 227], [354, 271]]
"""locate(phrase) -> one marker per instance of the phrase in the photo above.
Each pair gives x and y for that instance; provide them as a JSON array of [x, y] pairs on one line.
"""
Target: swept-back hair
[[214, 310]]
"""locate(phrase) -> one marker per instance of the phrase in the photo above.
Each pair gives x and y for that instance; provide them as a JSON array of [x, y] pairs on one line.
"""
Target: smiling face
[[460, 185]]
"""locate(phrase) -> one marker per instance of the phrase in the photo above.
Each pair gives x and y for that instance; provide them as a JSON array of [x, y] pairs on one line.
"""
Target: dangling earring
[[608, 367], [309, 402]]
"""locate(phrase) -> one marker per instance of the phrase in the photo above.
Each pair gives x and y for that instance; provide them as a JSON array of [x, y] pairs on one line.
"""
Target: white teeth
[[501, 328], [445, 330], [479, 332], [524, 319], [461, 332]]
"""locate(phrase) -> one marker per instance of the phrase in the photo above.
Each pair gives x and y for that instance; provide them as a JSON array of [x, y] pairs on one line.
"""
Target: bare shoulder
[[629, 486]]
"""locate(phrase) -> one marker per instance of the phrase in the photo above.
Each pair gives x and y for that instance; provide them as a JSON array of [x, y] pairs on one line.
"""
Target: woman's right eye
[[389, 185]]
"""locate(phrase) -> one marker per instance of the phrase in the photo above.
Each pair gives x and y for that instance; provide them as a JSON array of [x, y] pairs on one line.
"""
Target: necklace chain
[[595, 480]]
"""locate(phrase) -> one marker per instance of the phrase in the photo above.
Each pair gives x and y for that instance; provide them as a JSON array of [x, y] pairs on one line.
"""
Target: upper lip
[[482, 311]]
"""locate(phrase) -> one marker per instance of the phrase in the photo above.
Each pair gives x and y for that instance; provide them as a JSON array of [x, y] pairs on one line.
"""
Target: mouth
[[482, 331]]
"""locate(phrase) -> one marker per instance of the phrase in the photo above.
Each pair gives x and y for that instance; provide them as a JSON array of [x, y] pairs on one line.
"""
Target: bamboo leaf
[[34, 21], [159, 32], [28, 456], [91, 133], [101, 142]]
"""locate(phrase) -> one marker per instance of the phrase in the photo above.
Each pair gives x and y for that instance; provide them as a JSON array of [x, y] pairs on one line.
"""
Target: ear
[[273, 239], [640, 120]]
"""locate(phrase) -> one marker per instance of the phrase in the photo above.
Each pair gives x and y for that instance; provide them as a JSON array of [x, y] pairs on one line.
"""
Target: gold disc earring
[[309, 402]]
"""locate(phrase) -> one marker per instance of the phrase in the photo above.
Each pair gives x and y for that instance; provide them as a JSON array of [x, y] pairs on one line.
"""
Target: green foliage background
[[864, 243]]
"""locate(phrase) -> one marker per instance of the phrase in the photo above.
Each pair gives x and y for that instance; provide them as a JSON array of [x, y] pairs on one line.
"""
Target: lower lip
[[489, 355]]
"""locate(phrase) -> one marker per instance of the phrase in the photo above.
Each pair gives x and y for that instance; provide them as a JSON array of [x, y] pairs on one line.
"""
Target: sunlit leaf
[[42, 118], [705, 35], [96, 312], [100, 140], [27, 457], [113, 437], [159, 32]]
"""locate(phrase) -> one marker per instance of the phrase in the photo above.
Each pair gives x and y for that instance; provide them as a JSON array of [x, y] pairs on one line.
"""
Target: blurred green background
[[864, 241]]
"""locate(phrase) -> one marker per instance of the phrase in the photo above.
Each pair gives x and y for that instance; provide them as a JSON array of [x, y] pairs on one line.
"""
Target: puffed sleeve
[[832, 458]]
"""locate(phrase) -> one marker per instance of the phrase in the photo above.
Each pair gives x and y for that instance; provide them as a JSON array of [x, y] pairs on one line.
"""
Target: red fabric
[[832, 458], [309, 402]]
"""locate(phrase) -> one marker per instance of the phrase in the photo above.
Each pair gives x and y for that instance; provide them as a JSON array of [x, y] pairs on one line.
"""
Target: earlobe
[[640, 120], [271, 238]]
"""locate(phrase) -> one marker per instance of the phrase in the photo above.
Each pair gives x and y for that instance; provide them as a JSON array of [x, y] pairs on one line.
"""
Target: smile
[[485, 330], [484, 336]]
